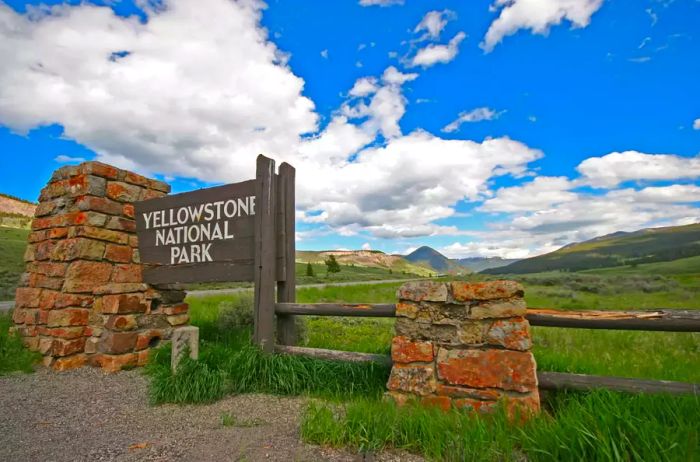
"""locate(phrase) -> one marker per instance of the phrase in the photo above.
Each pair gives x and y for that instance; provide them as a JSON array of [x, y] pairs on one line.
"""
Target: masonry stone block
[[465, 346], [82, 300]]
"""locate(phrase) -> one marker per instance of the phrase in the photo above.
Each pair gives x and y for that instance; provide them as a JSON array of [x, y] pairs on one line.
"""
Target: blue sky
[[502, 128]]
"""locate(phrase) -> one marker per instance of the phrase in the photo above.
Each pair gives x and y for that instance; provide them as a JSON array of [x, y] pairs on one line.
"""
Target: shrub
[[237, 312]]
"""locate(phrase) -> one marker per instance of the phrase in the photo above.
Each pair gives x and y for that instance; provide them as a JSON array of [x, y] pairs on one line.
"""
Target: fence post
[[286, 327], [265, 254]]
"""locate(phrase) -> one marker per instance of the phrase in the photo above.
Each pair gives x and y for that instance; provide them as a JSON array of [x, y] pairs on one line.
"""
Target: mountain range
[[430, 257], [617, 249]]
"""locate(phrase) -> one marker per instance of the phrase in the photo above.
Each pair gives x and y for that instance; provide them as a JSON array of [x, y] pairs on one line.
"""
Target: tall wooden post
[[286, 289], [265, 253]]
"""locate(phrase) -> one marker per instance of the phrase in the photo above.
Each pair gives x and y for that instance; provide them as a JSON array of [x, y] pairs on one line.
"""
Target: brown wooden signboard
[[236, 232], [205, 235]]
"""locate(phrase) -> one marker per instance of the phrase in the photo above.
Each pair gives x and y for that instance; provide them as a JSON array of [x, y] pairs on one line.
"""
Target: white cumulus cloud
[[475, 115], [64, 159], [433, 54], [181, 94], [380, 2], [433, 23], [696, 124], [536, 15], [541, 193], [617, 167]]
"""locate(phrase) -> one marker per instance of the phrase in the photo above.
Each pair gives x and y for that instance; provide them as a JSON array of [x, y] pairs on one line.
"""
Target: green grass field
[[574, 426], [13, 356], [12, 245], [348, 409]]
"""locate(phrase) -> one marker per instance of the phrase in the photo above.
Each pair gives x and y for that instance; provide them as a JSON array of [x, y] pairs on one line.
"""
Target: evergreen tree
[[309, 270], [332, 265]]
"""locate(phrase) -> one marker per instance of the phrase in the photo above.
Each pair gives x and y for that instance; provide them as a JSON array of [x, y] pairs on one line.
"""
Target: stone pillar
[[82, 299], [463, 345]]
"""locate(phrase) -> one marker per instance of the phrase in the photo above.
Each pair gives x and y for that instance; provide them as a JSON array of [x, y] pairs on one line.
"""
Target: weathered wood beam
[[563, 381], [381, 310], [265, 254], [286, 288], [657, 320], [333, 355]]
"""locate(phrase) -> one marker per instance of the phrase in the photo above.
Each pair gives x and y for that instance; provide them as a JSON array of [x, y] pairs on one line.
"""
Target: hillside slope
[[618, 249], [13, 242], [15, 212], [478, 264], [367, 258]]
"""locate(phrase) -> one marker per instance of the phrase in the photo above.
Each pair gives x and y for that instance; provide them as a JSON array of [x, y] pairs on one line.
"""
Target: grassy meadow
[[347, 409], [12, 244], [13, 356]]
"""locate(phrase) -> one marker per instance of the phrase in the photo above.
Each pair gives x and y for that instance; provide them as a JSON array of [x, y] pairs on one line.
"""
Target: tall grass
[[13, 355], [654, 355], [13, 242], [228, 363], [577, 427]]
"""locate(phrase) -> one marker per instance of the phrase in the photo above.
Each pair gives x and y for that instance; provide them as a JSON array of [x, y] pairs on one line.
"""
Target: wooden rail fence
[[664, 320]]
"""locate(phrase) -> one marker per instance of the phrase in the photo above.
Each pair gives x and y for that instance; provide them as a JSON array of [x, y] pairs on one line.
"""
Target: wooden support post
[[265, 254], [286, 290]]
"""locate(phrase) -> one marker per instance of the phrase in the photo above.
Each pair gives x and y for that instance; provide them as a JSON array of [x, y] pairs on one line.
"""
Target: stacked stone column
[[82, 299], [464, 345]]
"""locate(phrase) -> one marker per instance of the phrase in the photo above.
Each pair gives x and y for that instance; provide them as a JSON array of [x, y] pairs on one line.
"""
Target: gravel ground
[[87, 415]]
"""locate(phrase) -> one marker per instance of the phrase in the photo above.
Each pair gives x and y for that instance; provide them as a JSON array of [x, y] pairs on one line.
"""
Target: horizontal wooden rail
[[563, 381], [656, 320], [333, 355], [381, 310], [547, 380]]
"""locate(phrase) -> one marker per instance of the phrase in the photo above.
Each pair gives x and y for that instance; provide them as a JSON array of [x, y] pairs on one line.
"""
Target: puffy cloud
[[64, 159], [433, 54], [366, 246], [618, 167], [387, 105], [677, 193], [401, 188], [696, 124], [364, 86], [393, 76], [178, 94], [475, 115], [541, 193], [380, 2], [433, 23], [503, 248], [543, 215], [536, 15]]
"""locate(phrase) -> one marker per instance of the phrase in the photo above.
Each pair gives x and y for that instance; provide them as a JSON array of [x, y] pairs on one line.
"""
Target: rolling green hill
[[367, 259], [618, 249], [12, 245]]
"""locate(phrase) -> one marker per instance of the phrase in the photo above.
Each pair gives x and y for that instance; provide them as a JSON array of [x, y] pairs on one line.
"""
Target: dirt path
[[86, 415]]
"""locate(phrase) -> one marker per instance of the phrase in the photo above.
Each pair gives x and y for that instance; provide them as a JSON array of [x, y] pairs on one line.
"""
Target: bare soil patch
[[89, 415]]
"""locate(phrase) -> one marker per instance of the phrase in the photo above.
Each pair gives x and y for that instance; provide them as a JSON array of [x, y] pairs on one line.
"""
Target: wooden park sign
[[236, 232]]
